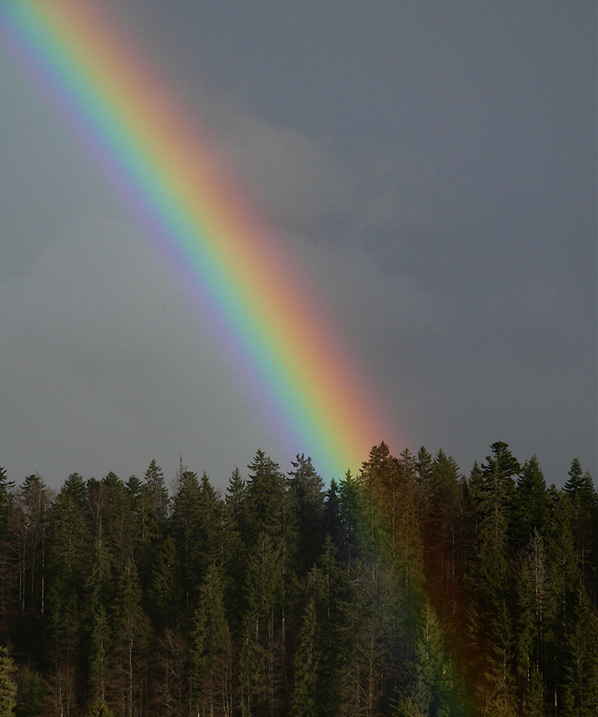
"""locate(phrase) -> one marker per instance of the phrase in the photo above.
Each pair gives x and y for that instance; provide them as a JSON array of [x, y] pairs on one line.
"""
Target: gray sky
[[431, 165]]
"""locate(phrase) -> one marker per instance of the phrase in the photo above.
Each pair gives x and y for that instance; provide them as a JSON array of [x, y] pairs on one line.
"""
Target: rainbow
[[162, 164]]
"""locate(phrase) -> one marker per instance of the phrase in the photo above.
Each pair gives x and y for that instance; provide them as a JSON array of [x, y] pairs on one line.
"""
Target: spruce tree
[[262, 638], [8, 687], [99, 709], [129, 643], [306, 490], [430, 689], [211, 649], [164, 592], [99, 647], [185, 522], [306, 664], [530, 510], [531, 589]]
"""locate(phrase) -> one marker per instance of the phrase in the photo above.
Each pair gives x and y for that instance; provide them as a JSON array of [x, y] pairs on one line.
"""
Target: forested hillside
[[409, 589]]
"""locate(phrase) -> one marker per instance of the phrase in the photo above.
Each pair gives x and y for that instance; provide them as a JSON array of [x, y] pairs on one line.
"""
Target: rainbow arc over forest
[[165, 168]]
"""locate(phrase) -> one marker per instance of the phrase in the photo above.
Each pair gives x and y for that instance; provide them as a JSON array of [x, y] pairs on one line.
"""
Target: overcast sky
[[431, 165]]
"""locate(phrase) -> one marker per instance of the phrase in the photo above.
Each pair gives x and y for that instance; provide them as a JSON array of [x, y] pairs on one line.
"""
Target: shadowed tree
[[8, 687], [306, 663], [488, 579], [98, 653], [261, 675], [579, 488], [185, 530], [129, 644], [306, 493], [69, 557], [212, 649], [530, 509], [99, 709], [531, 591]]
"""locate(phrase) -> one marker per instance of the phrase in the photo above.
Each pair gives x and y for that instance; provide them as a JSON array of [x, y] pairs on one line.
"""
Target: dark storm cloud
[[431, 166]]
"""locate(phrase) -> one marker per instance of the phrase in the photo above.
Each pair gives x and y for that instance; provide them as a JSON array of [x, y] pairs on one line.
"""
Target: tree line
[[406, 590]]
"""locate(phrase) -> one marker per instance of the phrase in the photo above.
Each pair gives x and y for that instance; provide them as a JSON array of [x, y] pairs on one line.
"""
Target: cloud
[[308, 188]]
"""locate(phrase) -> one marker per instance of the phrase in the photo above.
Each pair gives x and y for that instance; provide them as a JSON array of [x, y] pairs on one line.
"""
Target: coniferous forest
[[408, 590]]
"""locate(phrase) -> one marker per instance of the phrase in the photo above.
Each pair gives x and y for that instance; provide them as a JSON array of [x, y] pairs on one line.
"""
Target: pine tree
[[6, 487], [99, 584], [8, 571], [8, 687], [98, 653], [584, 503], [99, 709], [370, 628], [430, 686], [306, 490], [266, 499], [129, 643], [261, 675], [212, 652], [328, 585], [303, 696], [424, 467], [530, 510], [531, 591], [332, 514], [121, 531], [442, 531], [164, 592], [236, 502], [488, 578], [351, 501], [580, 673], [69, 555], [185, 531], [31, 533], [31, 693]]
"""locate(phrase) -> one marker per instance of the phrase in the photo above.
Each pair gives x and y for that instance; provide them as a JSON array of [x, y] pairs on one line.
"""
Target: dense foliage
[[408, 590]]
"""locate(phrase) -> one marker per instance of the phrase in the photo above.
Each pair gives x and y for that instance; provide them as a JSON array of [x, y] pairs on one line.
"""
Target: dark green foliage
[[8, 687], [306, 663], [211, 647], [164, 591], [5, 499], [99, 709], [406, 589], [98, 653], [530, 506], [31, 694], [306, 504]]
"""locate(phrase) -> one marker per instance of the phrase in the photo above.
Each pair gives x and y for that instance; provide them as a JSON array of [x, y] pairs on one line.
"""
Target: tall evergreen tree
[[306, 663], [267, 499], [430, 688], [129, 644], [185, 530], [164, 593], [530, 510], [33, 502], [99, 649], [212, 651], [306, 490], [581, 493], [261, 667], [488, 578], [531, 590], [8, 687]]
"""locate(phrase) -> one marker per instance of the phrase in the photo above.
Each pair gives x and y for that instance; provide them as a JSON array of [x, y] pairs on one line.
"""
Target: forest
[[409, 589]]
